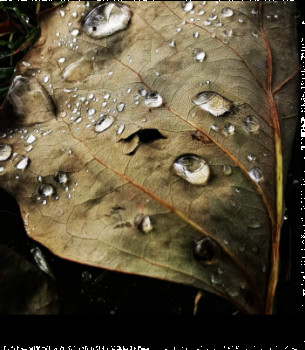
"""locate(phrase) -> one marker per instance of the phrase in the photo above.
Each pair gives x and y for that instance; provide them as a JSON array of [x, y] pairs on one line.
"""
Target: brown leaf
[[210, 204]]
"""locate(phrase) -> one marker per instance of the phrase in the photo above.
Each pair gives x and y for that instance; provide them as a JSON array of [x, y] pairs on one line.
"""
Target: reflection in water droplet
[[104, 123], [206, 251], [228, 129], [23, 163], [61, 177], [143, 223], [192, 168], [106, 19], [199, 55], [227, 170], [5, 151], [153, 99], [251, 124], [212, 103], [120, 107], [187, 6], [256, 174], [46, 190], [227, 12]]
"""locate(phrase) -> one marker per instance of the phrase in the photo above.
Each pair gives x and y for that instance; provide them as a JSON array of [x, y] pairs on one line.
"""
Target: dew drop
[[227, 170], [187, 6], [215, 279], [120, 107], [196, 35], [5, 151], [74, 32], [178, 30], [61, 177], [243, 285], [31, 139], [153, 100], [1, 169], [199, 55], [206, 251], [106, 96], [104, 123], [212, 103], [142, 91], [91, 112], [62, 13], [106, 19], [46, 190], [172, 43], [212, 17], [254, 34], [254, 11], [233, 292], [207, 23], [45, 79], [120, 129], [26, 64], [251, 124], [253, 223], [227, 12], [228, 129], [143, 223], [256, 174], [251, 157], [23, 163], [192, 168], [61, 60]]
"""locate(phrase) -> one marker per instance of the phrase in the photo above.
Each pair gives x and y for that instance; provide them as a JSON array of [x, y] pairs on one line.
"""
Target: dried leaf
[[218, 84]]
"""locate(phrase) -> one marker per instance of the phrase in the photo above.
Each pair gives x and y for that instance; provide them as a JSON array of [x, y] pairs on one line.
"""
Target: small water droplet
[[46, 190], [120, 129], [214, 127], [106, 96], [196, 35], [74, 14], [240, 20], [143, 223], [31, 138], [5, 151], [227, 12], [254, 11], [212, 17], [256, 174], [199, 55], [242, 247], [172, 43], [45, 79], [120, 107], [192, 168], [62, 13], [254, 34], [104, 122], [212, 103], [178, 30], [106, 19], [91, 112], [243, 285], [26, 64], [215, 279], [228, 32], [75, 32], [110, 72], [187, 6], [23, 163], [228, 129], [233, 292], [207, 23], [227, 170], [251, 124], [61, 177], [253, 223], [251, 157], [61, 60], [206, 251], [153, 100]]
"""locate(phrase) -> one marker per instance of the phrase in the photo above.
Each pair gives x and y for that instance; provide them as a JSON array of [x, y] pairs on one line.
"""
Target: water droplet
[[254, 34], [61, 60], [215, 279], [228, 32], [1, 169], [172, 43], [214, 127], [227, 170], [256, 174], [39, 178], [253, 223], [196, 35], [254, 11], [91, 112], [120, 107], [62, 13], [200, 13], [110, 72], [192, 168], [199, 55], [143, 223], [243, 285], [251, 124], [240, 20], [178, 30], [106, 96], [23, 163], [104, 123], [212, 103], [187, 6], [227, 12], [5, 151], [206, 251], [31, 138], [120, 129], [45, 79], [207, 23], [228, 129], [74, 14], [46, 190], [233, 292], [74, 32], [26, 64], [242, 247], [212, 17], [153, 99], [106, 19], [61, 177], [251, 157]]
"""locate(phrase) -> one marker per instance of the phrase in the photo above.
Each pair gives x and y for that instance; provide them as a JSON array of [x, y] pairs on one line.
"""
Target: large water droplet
[[104, 123], [256, 174], [120, 107], [206, 251], [61, 177], [143, 223], [153, 100], [192, 168], [199, 55], [106, 19], [251, 124], [46, 190], [5, 151], [187, 6], [228, 129], [212, 103], [227, 12], [23, 163]]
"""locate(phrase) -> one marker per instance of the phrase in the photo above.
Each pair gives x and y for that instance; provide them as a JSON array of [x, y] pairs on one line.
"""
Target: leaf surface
[[127, 169]]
